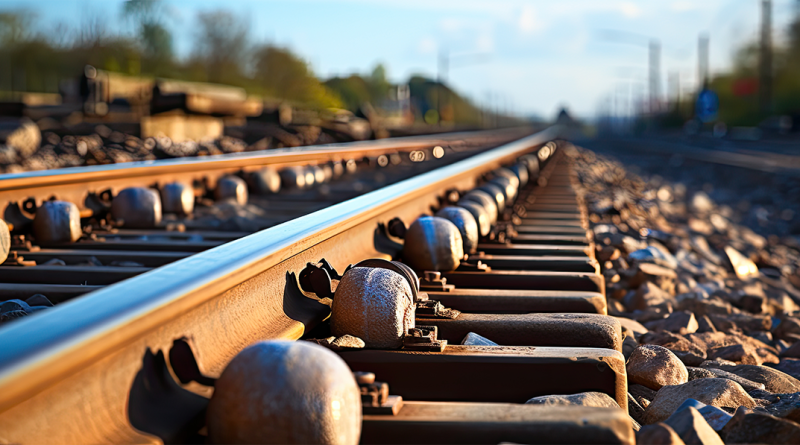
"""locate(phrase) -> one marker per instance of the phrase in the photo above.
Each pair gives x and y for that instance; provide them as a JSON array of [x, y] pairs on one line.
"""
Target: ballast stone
[[285, 393], [375, 305]]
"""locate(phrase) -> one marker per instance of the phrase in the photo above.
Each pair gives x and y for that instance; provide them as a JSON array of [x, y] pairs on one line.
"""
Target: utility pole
[[441, 75], [765, 58], [702, 62], [655, 69]]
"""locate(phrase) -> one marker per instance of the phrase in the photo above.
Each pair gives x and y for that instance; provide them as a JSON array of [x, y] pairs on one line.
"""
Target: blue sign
[[707, 105]]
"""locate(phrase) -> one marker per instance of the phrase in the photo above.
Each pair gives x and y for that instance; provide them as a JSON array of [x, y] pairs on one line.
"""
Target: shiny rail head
[[82, 331]]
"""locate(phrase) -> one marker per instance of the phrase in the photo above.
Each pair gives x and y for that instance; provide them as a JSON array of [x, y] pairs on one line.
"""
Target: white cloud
[[427, 45], [528, 20], [630, 9], [683, 5]]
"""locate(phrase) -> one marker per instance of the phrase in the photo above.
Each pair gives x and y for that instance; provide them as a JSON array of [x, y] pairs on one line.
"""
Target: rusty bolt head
[[466, 224], [264, 182], [497, 194], [373, 304], [177, 198], [232, 187], [137, 208], [480, 215], [285, 392], [364, 378], [433, 243], [486, 201], [54, 222]]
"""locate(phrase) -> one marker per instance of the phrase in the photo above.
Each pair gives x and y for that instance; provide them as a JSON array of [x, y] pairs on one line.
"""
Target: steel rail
[[79, 358], [73, 183]]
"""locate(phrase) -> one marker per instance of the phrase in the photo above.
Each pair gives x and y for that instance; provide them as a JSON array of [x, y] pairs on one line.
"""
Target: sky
[[528, 57]]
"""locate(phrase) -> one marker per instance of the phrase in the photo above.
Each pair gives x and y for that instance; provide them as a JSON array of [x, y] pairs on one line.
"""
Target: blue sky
[[537, 55]]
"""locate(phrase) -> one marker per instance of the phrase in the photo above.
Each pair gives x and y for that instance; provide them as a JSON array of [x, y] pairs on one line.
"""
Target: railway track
[[138, 357]]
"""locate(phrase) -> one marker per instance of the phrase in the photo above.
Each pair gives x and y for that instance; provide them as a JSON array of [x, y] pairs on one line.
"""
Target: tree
[[155, 38], [222, 43], [282, 74]]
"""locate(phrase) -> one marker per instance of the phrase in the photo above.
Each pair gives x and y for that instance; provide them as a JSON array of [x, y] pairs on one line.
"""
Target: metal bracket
[[433, 281], [318, 278], [435, 309], [375, 398], [423, 338]]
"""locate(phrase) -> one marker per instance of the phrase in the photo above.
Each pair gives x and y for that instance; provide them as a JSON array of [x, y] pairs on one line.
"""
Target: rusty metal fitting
[[137, 208], [486, 201], [466, 224], [177, 198], [264, 182], [424, 338], [374, 304], [375, 398], [532, 163], [434, 282], [285, 392], [231, 187], [54, 222], [433, 243]]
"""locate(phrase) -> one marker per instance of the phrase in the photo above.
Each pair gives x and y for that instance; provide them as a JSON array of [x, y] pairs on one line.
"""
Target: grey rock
[[774, 381], [474, 339], [751, 427], [595, 399]]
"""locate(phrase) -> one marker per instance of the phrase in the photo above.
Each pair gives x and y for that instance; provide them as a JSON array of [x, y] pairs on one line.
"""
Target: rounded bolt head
[[5, 241], [466, 224], [56, 222], [177, 198], [497, 193], [432, 275], [281, 392], [433, 243], [479, 213], [507, 186], [364, 378], [532, 162], [137, 208], [311, 178], [486, 201], [265, 181], [375, 305], [521, 170], [232, 187], [293, 177], [319, 174]]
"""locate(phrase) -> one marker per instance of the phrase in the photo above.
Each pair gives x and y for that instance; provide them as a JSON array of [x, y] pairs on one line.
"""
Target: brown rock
[[642, 394], [687, 351], [682, 322], [749, 427], [692, 428], [789, 325], [662, 277], [635, 409], [774, 381], [658, 434], [655, 366], [704, 324], [715, 392], [699, 373], [748, 385], [788, 366], [648, 294], [632, 325]]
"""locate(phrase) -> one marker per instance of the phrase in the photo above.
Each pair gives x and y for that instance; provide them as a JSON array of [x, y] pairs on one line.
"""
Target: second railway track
[[139, 359]]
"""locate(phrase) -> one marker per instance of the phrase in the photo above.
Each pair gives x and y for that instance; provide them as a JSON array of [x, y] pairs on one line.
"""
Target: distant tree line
[[33, 59]]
